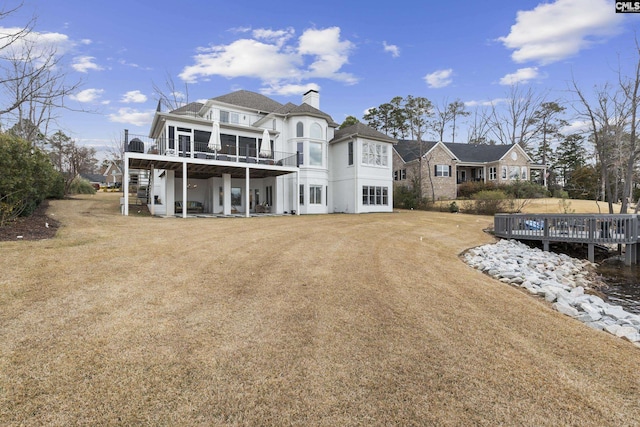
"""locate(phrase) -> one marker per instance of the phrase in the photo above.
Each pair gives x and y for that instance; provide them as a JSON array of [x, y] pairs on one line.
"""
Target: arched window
[[316, 131], [299, 130]]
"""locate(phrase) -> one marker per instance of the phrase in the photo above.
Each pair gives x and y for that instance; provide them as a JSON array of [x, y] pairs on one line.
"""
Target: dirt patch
[[37, 226]]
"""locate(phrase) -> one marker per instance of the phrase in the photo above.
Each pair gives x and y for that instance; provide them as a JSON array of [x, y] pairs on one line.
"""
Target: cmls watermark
[[628, 7]]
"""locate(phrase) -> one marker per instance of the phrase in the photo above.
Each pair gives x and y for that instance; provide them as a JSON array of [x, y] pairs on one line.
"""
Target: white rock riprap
[[558, 278]]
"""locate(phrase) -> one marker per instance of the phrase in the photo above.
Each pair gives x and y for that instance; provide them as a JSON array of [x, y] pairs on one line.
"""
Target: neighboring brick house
[[445, 165], [113, 174]]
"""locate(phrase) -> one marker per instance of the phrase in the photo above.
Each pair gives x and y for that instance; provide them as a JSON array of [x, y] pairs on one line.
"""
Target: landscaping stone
[[558, 278]]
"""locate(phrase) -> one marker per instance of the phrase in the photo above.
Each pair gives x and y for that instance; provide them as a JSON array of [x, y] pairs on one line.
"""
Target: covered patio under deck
[[201, 169]]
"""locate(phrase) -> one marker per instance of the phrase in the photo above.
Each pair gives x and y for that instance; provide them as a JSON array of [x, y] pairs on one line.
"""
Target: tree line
[[598, 161], [35, 162]]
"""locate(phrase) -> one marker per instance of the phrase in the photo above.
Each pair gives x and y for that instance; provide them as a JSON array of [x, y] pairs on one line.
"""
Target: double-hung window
[[442, 170], [493, 173], [315, 194]]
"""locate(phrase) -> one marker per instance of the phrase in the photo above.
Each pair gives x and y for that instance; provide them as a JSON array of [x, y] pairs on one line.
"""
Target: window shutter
[[435, 170], [449, 170]]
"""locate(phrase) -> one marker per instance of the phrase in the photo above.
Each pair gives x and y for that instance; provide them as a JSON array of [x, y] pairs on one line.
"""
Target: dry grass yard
[[335, 320]]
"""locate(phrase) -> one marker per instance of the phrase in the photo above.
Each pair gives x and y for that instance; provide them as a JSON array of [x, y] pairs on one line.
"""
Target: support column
[[170, 192], [150, 190], [630, 254], [591, 256], [125, 185], [296, 203], [226, 197], [247, 196], [184, 189]]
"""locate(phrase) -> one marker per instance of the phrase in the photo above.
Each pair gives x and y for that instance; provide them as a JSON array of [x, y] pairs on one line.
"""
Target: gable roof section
[[117, 166], [480, 153], [362, 130], [248, 99], [409, 150]]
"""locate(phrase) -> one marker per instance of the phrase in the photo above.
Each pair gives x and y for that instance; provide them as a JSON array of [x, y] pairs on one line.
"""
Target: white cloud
[[87, 95], [39, 44], [577, 126], [134, 96], [274, 57], [439, 78], [330, 54], [522, 75], [132, 116], [555, 31], [392, 49], [279, 37], [289, 89], [486, 103], [83, 64], [86, 41]]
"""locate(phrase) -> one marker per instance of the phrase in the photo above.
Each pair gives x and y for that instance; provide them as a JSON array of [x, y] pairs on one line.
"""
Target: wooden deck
[[591, 229]]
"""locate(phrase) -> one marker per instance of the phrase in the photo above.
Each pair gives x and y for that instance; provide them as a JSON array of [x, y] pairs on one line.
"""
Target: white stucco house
[[243, 153]]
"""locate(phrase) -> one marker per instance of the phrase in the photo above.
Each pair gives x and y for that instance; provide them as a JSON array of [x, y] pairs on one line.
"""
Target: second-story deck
[[590, 229]]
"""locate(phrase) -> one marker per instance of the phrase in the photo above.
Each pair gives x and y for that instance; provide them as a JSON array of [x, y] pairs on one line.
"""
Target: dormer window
[[228, 117]]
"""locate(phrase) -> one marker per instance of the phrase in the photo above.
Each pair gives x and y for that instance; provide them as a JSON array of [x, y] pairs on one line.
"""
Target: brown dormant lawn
[[333, 320]]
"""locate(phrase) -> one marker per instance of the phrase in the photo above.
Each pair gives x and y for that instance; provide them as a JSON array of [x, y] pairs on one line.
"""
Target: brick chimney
[[311, 97]]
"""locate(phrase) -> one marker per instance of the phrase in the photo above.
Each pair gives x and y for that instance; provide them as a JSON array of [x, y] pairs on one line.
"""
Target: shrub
[[26, 177], [405, 197], [525, 190], [560, 194], [467, 189], [488, 202], [81, 186], [453, 208]]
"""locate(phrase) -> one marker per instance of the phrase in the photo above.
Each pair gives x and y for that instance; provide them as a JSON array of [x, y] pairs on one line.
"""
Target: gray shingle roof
[[190, 108], [361, 130], [248, 99], [478, 153], [302, 110], [410, 150]]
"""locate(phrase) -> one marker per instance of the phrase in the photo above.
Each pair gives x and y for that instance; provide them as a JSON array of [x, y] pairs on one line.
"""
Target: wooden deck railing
[[592, 229]]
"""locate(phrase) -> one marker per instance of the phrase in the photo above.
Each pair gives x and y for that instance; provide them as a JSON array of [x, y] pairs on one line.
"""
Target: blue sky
[[357, 55]]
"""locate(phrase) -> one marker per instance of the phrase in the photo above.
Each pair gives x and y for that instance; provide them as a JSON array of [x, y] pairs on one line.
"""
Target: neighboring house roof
[[478, 153], [409, 150], [93, 177], [113, 166], [248, 99], [360, 129]]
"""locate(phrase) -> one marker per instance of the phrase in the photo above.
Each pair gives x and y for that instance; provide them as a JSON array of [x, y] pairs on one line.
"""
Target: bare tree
[[33, 83], [512, 124], [613, 119], [630, 87], [600, 116], [443, 117], [171, 97], [480, 127]]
